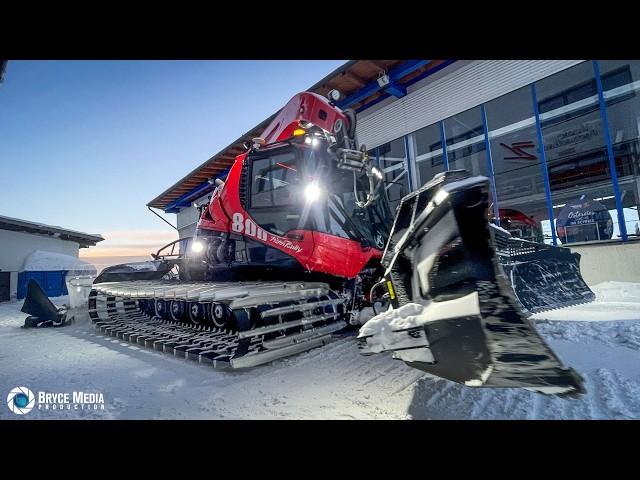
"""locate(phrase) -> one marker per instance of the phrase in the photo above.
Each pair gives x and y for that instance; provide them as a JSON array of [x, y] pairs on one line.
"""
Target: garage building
[[559, 141], [36, 251]]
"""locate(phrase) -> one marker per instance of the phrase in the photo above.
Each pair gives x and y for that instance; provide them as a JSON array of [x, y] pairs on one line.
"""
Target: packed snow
[[600, 340], [41, 260]]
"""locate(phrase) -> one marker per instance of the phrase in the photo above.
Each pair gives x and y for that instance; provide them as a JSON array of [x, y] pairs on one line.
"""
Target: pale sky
[[86, 144]]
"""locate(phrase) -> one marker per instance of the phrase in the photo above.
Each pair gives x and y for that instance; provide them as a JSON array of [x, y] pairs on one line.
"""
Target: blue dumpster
[[52, 282]]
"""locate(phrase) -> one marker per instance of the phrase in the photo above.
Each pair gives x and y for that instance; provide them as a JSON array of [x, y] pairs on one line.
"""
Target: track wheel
[[161, 308], [146, 307], [219, 316], [198, 313], [177, 309]]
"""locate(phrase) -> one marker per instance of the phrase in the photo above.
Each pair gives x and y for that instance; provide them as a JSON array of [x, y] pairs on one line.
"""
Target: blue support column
[[443, 140], [543, 164], [492, 179], [408, 165], [612, 159]]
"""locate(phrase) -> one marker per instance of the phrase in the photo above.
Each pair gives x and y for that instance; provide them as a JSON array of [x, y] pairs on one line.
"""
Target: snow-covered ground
[[600, 340]]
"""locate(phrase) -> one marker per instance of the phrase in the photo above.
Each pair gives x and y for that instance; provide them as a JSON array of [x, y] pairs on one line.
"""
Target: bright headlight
[[312, 192], [197, 246], [440, 197], [377, 172]]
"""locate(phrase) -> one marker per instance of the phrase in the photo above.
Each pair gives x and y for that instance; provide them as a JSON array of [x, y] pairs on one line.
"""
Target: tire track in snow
[[480, 406], [384, 374], [597, 404], [408, 384], [628, 392], [534, 414], [612, 396]]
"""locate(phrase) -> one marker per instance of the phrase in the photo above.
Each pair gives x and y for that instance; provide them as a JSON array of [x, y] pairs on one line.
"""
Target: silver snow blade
[[147, 270], [454, 311], [543, 277]]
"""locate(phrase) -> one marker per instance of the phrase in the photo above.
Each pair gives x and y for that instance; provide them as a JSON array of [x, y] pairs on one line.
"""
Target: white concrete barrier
[[603, 262], [79, 288]]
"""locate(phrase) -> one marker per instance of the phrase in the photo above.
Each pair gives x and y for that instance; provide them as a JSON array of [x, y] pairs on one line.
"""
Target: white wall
[[609, 261], [187, 218], [15, 247], [449, 92]]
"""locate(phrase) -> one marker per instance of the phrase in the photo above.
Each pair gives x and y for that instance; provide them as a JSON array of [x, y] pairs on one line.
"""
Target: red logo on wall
[[518, 149]]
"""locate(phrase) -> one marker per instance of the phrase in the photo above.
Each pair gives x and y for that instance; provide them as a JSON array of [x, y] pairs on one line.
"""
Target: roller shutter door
[[468, 86]]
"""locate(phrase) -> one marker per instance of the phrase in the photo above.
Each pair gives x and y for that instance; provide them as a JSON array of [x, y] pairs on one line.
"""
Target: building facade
[[558, 140], [39, 252]]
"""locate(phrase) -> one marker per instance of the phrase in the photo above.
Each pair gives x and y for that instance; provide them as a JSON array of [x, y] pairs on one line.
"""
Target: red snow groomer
[[299, 239]]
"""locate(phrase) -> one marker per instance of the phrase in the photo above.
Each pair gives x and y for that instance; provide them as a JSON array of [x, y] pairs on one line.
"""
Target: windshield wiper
[[354, 228]]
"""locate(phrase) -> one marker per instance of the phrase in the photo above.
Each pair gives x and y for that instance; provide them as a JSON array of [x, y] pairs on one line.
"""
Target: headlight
[[377, 173], [312, 192], [311, 141], [440, 197], [197, 246]]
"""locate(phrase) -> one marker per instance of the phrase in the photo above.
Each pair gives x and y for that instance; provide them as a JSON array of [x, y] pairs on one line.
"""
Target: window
[[621, 85], [517, 168], [576, 153], [273, 179], [428, 148], [274, 185], [464, 136], [393, 162]]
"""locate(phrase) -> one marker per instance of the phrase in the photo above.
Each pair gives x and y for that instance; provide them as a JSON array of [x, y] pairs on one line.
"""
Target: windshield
[[369, 222], [278, 202], [337, 213]]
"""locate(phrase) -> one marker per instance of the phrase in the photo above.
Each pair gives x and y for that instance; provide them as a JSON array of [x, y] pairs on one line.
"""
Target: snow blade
[[543, 277], [454, 312], [43, 312], [149, 270]]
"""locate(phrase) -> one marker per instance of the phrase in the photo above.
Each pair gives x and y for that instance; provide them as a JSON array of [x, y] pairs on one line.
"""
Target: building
[[40, 252], [559, 141]]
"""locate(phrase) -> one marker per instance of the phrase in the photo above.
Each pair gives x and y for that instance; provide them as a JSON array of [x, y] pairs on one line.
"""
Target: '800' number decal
[[247, 227]]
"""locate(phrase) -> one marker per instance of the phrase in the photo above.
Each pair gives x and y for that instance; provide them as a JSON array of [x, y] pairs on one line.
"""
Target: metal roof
[[357, 82], [18, 225]]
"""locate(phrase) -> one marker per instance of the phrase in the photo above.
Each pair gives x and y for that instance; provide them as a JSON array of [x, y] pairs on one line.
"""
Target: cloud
[[130, 243]]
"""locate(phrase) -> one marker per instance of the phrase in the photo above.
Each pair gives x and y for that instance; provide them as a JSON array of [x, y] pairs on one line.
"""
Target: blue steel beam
[[543, 165], [611, 157], [185, 199], [396, 90], [174, 207], [443, 140], [492, 177], [406, 84], [429, 72], [395, 74]]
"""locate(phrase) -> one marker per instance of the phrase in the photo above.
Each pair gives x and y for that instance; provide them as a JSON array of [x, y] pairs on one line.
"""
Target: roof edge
[[27, 226], [264, 123]]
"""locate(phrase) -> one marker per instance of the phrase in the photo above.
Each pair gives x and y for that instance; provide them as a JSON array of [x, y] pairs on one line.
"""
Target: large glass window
[[393, 161], [574, 143], [273, 179], [621, 86], [428, 149], [517, 167], [464, 136], [274, 187]]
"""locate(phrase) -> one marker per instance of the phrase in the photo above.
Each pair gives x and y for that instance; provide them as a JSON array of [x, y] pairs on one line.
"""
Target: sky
[[86, 144]]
